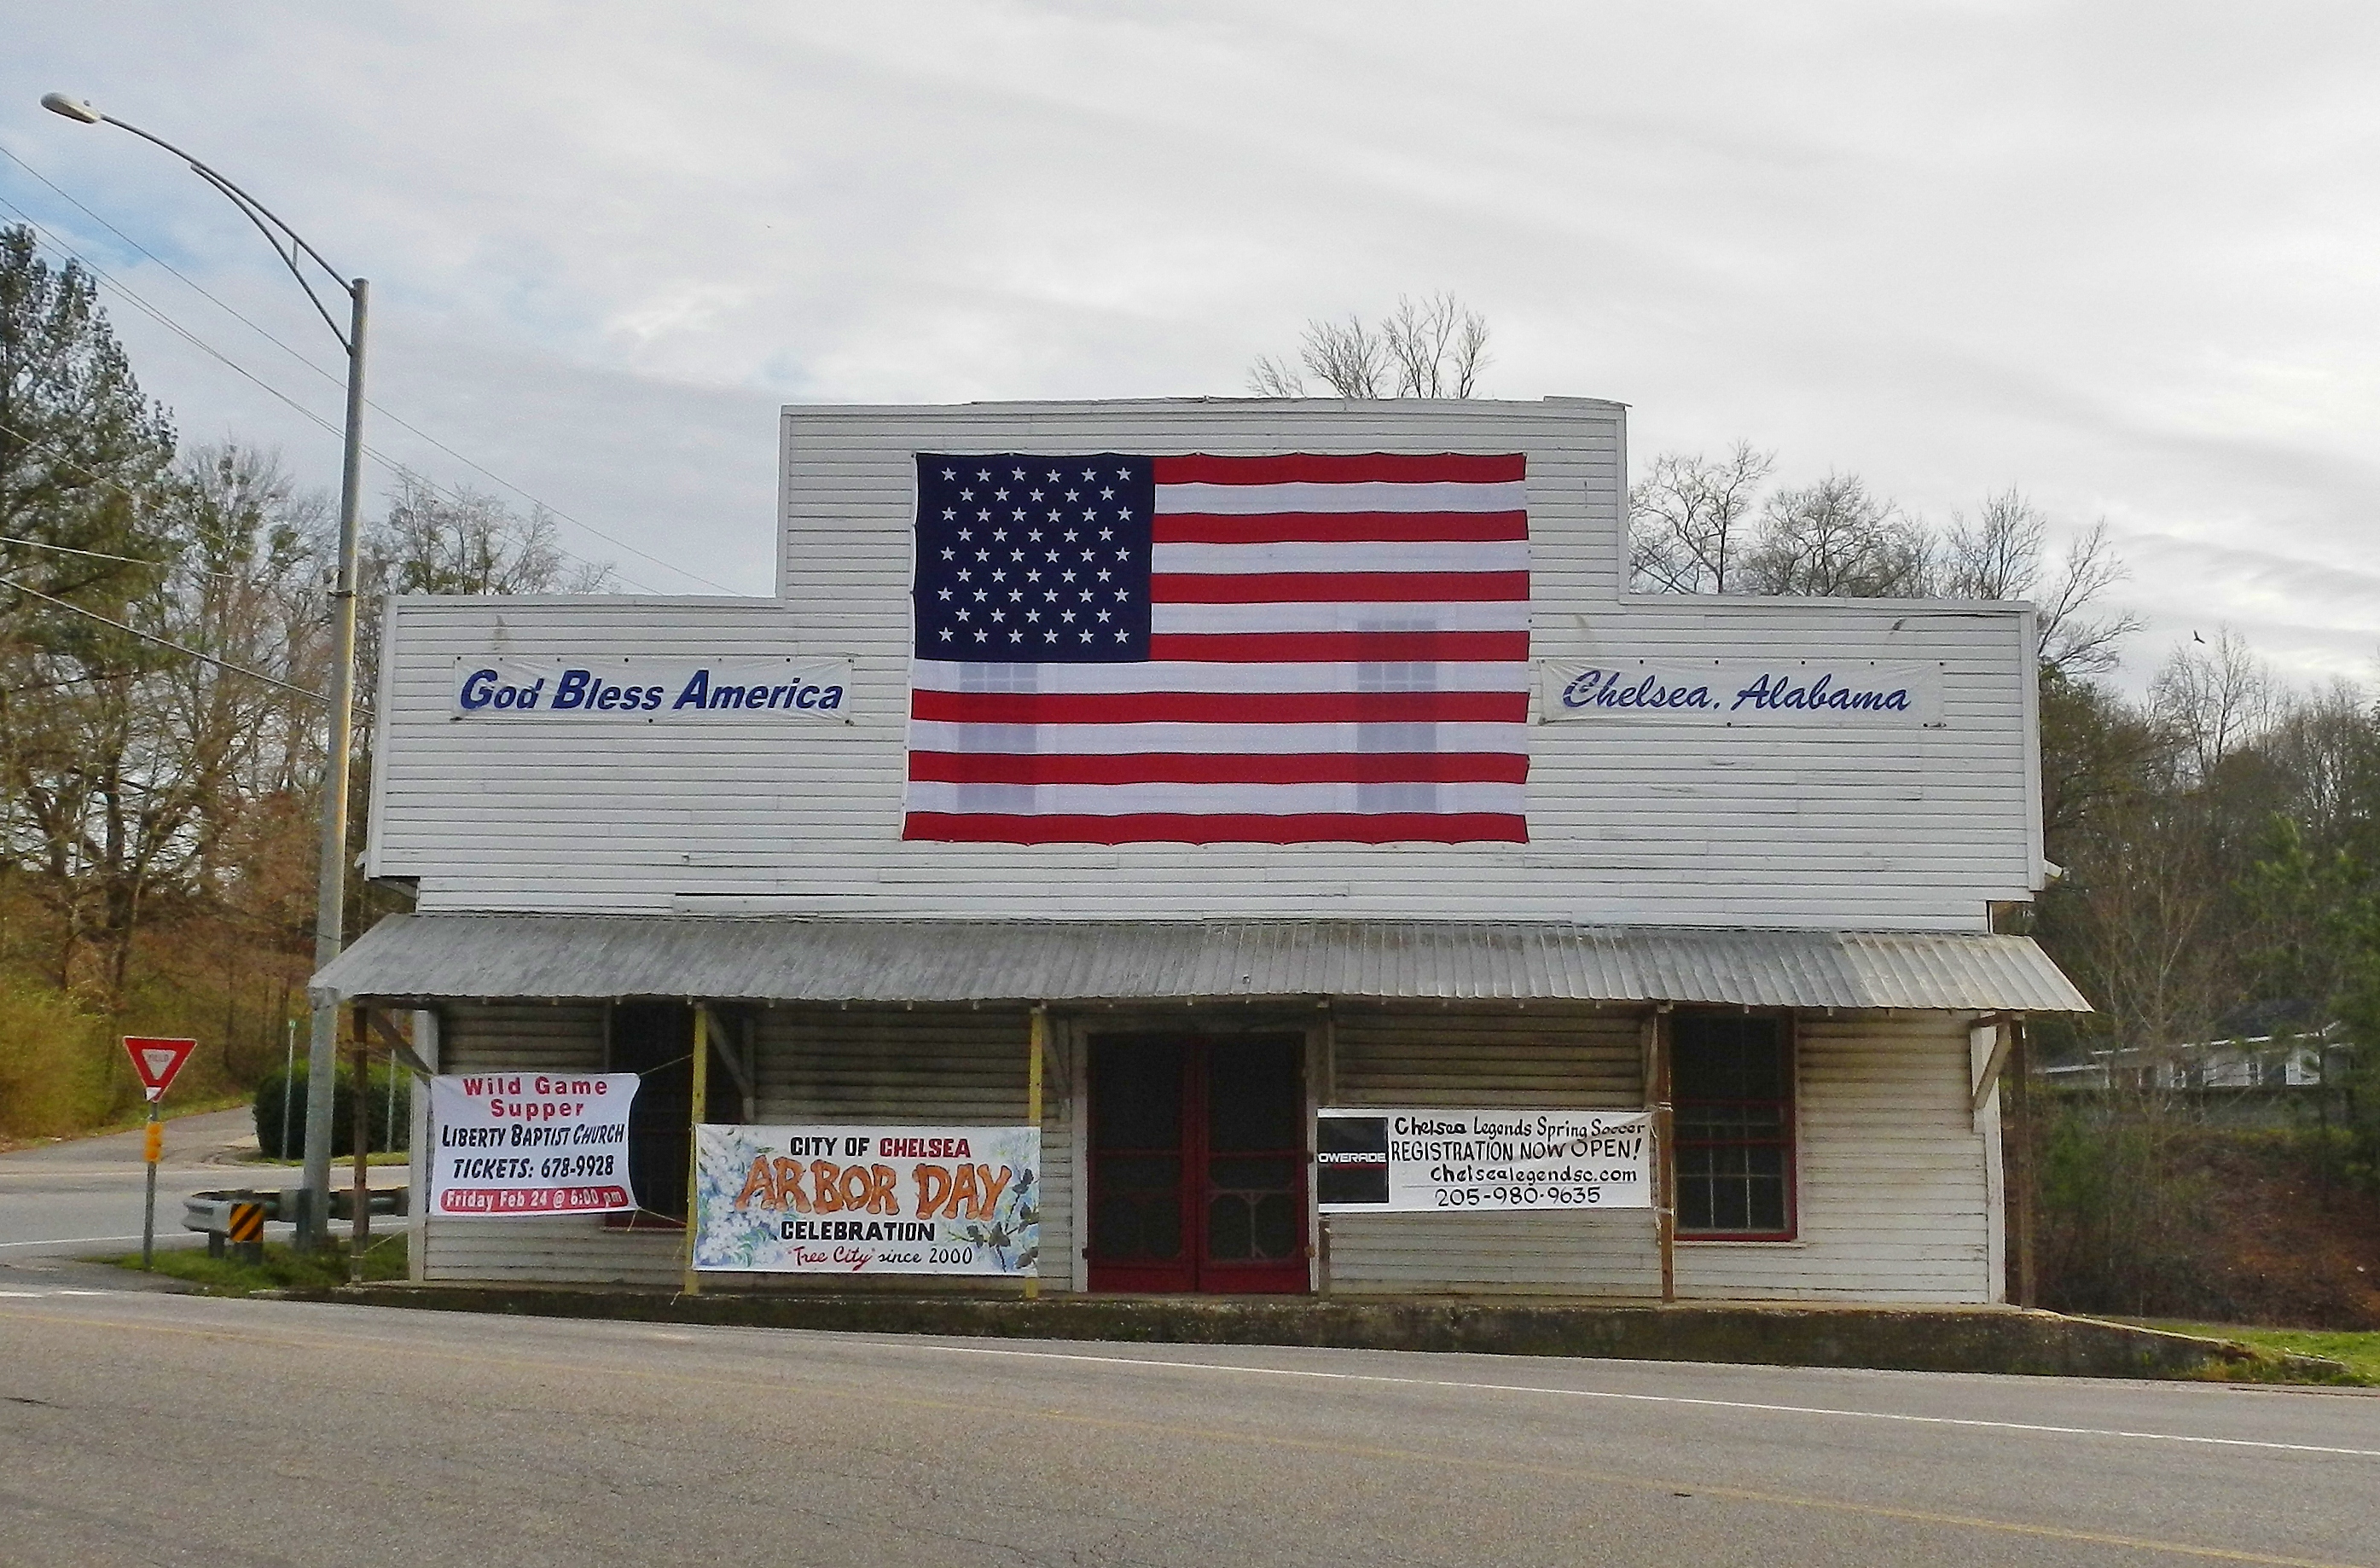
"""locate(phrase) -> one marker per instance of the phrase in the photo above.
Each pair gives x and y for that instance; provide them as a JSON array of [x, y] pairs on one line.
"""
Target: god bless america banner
[[868, 1200], [1116, 648], [751, 692]]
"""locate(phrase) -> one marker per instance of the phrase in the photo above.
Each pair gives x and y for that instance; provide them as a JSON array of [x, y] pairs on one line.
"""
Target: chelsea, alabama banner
[[1834, 693], [868, 1200]]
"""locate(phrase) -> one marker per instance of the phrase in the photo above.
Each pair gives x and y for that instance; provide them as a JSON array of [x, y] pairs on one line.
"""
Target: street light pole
[[330, 887], [330, 903]]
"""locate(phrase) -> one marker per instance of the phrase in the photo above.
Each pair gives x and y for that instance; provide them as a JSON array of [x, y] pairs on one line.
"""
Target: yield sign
[[157, 1060]]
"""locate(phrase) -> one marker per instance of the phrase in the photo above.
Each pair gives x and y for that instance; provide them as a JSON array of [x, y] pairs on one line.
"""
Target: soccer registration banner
[[532, 1143], [1426, 1161], [868, 1200]]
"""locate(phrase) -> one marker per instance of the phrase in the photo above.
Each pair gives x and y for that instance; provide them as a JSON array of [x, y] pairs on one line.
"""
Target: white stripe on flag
[[1370, 556], [936, 674], [1213, 740], [1369, 495], [1459, 616], [1212, 799]]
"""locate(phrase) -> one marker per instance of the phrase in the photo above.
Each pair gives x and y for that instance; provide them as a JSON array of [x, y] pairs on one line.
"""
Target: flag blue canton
[[1043, 560]]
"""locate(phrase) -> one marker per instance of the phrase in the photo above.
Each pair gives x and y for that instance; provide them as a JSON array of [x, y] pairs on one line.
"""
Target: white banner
[[531, 1144], [868, 1200], [653, 691], [1842, 693], [1429, 1161]]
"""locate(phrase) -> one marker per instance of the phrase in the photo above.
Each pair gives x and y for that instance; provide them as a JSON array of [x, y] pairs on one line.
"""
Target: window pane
[[1721, 1058], [1731, 1084]]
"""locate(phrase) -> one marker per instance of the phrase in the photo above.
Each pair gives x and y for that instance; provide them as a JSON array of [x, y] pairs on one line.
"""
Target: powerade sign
[[654, 691], [1815, 693]]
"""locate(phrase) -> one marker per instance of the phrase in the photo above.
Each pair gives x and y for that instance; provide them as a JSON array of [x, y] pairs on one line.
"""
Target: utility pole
[[330, 900], [331, 886]]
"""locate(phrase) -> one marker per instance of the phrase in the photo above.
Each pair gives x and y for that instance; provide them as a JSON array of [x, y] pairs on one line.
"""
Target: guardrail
[[234, 1221]]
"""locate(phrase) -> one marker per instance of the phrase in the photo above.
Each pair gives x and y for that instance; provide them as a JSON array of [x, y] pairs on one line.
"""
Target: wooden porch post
[[1665, 1178], [2021, 1067], [359, 1137], [692, 1284], [1040, 1044]]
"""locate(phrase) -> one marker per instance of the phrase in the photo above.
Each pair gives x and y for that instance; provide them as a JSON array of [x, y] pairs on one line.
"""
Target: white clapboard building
[[1241, 761]]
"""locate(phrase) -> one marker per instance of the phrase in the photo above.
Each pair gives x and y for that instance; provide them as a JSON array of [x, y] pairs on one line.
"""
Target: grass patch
[[282, 1268], [2358, 1351]]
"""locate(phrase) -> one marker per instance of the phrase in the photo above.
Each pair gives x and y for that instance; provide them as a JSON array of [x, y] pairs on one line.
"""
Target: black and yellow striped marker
[[246, 1223]]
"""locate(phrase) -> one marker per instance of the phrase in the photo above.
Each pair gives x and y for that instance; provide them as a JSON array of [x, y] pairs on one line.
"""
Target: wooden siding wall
[[1894, 1190], [1894, 1202], [813, 1065], [1632, 819], [945, 1065], [538, 1037], [1460, 1057]]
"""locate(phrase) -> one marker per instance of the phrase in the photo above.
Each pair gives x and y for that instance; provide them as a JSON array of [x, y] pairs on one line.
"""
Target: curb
[[1994, 1340]]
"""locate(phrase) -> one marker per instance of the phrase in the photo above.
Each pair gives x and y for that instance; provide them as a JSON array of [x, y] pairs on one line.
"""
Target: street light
[[330, 912]]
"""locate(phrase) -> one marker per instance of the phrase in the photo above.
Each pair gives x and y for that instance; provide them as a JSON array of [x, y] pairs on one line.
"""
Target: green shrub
[[2123, 1211], [388, 1101]]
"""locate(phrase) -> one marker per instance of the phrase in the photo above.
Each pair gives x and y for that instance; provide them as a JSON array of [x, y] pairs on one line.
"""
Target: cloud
[[2115, 255]]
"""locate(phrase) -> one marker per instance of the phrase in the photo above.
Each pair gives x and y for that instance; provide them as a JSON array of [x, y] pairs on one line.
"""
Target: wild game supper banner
[[1418, 1161], [868, 1200], [530, 1144]]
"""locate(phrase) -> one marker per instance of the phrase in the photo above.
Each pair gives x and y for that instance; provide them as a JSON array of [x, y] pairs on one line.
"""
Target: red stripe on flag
[[1310, 467], [1185, 767], [1388, 827], [1220, 707], [1339, 648], [1340, 527], [1327, 587]]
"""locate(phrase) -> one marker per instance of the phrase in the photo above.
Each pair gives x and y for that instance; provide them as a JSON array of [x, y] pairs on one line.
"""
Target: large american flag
[[1114, 649]]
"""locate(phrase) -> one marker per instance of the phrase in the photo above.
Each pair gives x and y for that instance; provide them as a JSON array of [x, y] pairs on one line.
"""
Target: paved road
[[160, 1430], [62, 1201], [84, 1196]]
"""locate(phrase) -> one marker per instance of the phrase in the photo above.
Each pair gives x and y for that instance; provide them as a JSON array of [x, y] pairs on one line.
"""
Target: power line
[[262, 331], [103, 555], [58, 456], [392, 418], [157, 315], [162, 642]]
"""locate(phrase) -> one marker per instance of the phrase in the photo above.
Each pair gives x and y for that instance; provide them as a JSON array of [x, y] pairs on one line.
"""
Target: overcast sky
[[2122, 256]]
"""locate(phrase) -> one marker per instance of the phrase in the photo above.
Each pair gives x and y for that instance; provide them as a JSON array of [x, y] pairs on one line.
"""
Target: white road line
[[1144, 1364], [23, 1294], [74, 1241]]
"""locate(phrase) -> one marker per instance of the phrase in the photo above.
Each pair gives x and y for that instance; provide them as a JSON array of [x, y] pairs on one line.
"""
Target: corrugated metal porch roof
[[420, 957]]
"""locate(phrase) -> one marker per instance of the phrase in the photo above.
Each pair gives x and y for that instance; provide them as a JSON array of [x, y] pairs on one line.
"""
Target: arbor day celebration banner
[[868, 1200]]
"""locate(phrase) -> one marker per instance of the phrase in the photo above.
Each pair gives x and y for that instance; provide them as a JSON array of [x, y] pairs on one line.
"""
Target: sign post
[[157, 1061]]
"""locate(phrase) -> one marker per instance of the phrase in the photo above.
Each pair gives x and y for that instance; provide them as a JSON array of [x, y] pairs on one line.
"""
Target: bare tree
[[130, 766], [2000, 555], [2074, 641], [1833, 540], [1685, 518], [1435, 346], [2217, 698], [466, 542]]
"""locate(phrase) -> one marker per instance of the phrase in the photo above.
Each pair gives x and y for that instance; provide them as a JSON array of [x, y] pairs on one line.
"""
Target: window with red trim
[[1731, 1083]]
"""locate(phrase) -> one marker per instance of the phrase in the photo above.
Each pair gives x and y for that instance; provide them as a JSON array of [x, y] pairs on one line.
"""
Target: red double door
[[1197, 1163]]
